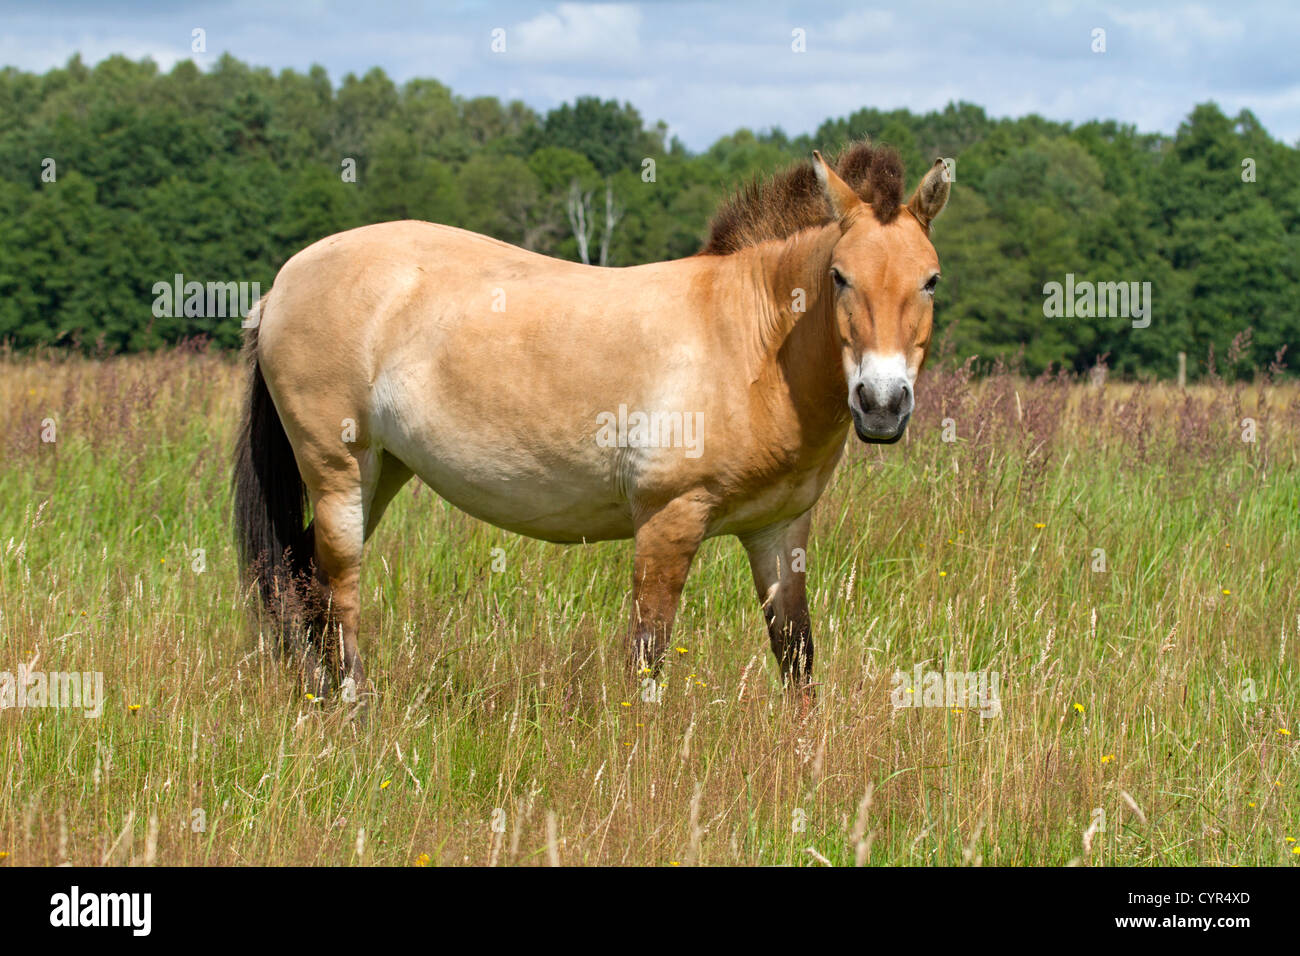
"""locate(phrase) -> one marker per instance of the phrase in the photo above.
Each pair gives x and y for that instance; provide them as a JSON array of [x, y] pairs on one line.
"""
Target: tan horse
[[667, 403]]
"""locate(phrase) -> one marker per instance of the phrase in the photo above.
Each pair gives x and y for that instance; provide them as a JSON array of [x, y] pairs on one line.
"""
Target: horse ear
[[931, 195], [840, 193]]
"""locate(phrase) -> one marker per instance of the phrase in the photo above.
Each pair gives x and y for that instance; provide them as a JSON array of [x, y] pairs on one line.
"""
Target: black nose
[[898, 398], [894, 399], [881, 408]]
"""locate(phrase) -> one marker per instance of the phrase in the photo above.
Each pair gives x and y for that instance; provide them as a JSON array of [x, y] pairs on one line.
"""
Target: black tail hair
[[274, 543]]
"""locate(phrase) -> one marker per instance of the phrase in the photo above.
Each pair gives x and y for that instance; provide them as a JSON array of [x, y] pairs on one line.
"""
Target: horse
[[666, 403]]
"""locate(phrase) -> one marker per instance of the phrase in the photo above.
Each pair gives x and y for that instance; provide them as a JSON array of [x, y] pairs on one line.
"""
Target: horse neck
[[798, 353]]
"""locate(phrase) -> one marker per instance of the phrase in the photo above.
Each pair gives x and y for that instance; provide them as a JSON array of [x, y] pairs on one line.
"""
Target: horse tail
[[274, 546]]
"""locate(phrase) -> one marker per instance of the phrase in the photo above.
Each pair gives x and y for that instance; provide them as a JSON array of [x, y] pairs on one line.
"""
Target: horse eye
[[838, 278], [929, 286]]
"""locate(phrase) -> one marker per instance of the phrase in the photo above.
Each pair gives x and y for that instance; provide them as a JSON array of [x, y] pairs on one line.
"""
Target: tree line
[[119, 177]]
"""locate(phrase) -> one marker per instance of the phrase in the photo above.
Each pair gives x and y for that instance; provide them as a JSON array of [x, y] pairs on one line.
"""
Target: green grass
[[502, 693]]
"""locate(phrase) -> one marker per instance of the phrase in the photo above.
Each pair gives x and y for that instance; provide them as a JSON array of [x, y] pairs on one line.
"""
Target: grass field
[[1161, 691]]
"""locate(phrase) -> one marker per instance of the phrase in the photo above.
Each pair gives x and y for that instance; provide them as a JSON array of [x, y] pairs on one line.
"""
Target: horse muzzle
[[881, 410]]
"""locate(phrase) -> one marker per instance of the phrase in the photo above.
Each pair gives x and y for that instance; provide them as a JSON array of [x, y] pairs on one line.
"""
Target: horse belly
[[551, 487], [567, 512]]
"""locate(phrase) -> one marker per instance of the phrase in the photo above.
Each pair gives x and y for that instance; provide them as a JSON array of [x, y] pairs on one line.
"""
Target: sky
[[708, 69]]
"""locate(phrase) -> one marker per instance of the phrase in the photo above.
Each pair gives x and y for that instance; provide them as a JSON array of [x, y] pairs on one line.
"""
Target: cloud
[[1182, 30], [577, 32], [860, 26]]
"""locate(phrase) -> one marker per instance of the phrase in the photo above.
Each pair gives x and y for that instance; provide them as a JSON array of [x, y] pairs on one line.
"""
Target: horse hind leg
[[339, 531], [347, 505], [348, 487], [341, 488]]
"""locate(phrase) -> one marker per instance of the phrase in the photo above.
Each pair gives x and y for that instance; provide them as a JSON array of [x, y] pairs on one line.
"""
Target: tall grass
[[1148, 710]]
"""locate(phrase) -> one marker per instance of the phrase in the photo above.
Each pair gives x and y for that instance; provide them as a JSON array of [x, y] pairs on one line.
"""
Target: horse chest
[[781, 497]]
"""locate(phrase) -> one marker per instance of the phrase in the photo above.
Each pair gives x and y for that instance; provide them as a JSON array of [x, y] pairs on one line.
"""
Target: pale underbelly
[[567, 501], [578, 507], [557, 520]]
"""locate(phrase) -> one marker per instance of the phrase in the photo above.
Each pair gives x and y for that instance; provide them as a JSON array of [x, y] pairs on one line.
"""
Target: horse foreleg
[[777, 558], [666, 542]]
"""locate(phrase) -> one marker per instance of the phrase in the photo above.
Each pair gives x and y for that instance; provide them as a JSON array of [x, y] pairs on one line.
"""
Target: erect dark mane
[[793, 200]]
